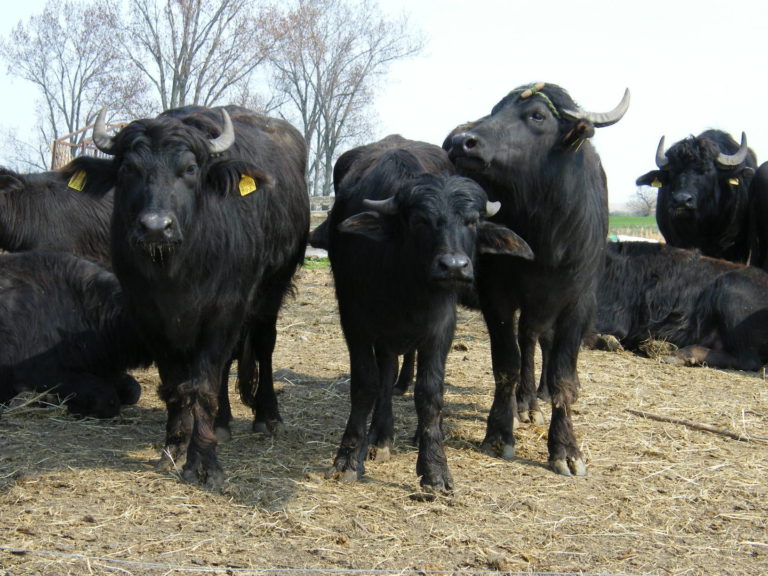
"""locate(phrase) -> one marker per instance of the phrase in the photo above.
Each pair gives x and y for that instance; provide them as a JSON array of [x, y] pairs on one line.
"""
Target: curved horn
[[225, 139], [602, 119], [386, 207], [661, 155], [729, 161], [491, 208], [101, 139]]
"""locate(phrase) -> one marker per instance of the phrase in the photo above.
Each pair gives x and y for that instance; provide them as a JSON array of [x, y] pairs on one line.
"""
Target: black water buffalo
[[703, 196], [61, 210], [758, 218], [532, 153], [715, 311], [210, 223], [402, 239], [63, 326]]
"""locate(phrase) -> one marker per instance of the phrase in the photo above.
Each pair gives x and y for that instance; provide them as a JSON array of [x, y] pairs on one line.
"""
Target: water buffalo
[[63, 326], [532, 154], [210, 223], [703, 198], [714, 311], [403, 236]]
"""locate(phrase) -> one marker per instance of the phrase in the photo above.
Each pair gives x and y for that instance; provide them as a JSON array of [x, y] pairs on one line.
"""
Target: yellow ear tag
[[733, 181], [247, 185], [656, 183], [77, 182]]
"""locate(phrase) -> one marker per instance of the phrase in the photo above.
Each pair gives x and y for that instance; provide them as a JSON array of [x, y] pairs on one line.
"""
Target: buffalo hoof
[[498, 448], [397, 391], [534, 416], [438, 483], [223, 433], [379, 453], [345, 476], [209, 478], [268, 428], [172, 459], [568, 466]]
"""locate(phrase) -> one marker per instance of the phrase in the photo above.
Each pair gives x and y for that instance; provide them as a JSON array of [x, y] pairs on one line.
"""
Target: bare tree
[[643, 203], [199, 51], [69, 53], [326, 66]]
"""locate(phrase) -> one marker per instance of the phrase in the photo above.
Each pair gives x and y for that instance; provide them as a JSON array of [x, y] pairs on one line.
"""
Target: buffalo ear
[[580, 131], [9, 182], [368, 224], [496, 239], [649, 178]]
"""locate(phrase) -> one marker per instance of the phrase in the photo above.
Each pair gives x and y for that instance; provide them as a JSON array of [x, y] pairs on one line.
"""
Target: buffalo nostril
[[453, 262], [156, 222]]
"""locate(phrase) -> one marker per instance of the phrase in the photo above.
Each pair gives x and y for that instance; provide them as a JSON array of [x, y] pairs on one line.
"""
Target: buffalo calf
[[403, 236]]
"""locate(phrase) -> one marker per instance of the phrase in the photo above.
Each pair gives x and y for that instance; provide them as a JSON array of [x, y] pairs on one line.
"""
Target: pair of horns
[[723, 160], [388, 206], [106, 143]]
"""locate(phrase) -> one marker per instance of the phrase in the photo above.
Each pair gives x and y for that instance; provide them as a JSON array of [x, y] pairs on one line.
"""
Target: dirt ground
[[84, 497]]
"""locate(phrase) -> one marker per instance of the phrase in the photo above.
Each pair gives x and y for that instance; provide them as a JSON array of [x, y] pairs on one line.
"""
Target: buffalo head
[[441, 223], [703, 184], [522, 130], [161, 165]]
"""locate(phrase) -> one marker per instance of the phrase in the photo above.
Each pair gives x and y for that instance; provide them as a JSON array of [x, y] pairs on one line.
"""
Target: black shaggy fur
[[701, 205], [42, 212], [398, 273], [204, 265], [715, 311], [63, 325], [538, 162]]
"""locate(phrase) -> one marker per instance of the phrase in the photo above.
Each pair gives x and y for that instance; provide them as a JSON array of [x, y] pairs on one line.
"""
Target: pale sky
[[689, 66]]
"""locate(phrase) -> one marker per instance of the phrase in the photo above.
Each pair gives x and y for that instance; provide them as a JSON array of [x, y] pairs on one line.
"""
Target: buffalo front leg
[[431, 463], [349, 464], [202, 465], [562, 381]]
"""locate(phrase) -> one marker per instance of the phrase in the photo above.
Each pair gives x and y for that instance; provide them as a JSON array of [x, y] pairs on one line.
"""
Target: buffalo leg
[[178, 427], [382, 431], [431, 463], [562, 381], [224, 414], [527, 402], [505, 357], [349, 464], [266, 413], [406, 374]]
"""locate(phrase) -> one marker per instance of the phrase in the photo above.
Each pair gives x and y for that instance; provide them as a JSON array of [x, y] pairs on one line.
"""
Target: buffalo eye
[[471, 221], [190, 169], [536, 116]]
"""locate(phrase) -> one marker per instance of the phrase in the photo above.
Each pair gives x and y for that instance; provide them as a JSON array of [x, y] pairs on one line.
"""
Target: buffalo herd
[[178, 245]]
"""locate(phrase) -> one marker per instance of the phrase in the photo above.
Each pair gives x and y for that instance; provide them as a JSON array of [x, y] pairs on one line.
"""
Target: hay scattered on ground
[[84, 497]]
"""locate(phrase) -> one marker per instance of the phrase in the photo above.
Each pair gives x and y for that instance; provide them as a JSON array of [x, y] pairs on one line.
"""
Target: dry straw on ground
[[83, 497]]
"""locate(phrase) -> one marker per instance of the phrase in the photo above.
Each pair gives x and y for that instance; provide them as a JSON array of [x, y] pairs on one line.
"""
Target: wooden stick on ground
[[698, 426]]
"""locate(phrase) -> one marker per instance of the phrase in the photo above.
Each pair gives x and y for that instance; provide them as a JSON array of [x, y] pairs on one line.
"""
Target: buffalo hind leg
[[528, 410], [382, 430], [405, 377], [505, 357]]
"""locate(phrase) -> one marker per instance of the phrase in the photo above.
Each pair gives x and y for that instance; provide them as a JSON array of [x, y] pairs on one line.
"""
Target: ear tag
[[247, 185], [77, 182], [656, 183], [733, 181]]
